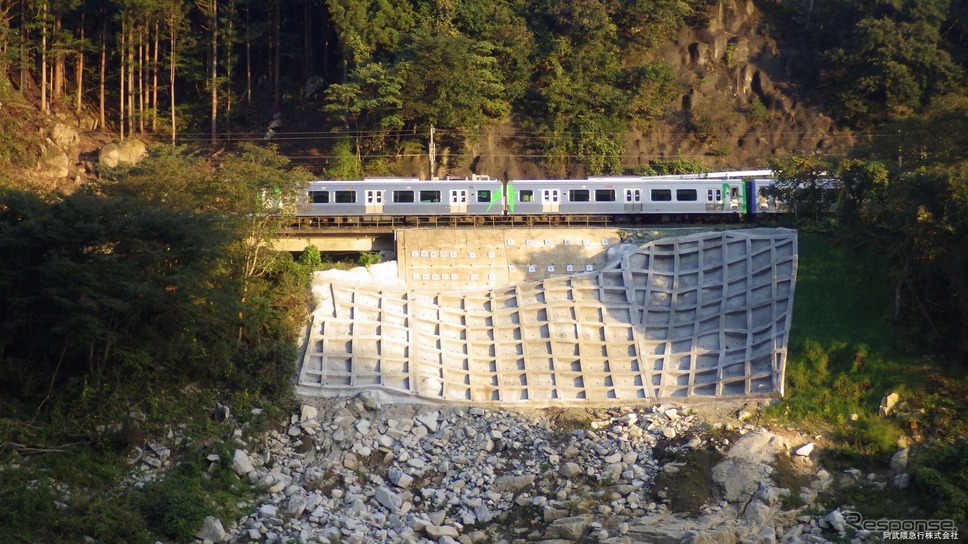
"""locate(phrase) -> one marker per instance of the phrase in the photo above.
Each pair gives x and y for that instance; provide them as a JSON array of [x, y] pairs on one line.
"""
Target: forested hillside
[[592, 86], [356, 86], [139, 300]]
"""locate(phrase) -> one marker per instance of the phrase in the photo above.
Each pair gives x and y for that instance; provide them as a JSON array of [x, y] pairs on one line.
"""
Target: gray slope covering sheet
[[704, 316]]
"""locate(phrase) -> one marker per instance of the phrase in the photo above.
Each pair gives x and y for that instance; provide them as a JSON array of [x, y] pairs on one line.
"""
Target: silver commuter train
[[719, 193]]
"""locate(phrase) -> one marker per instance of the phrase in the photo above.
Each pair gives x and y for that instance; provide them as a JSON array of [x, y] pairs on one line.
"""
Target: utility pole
[[432, 151]]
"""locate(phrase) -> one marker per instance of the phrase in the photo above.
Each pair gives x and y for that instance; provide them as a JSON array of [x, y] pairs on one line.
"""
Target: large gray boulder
[[746, 464], [129, 151], [211, 530], [64, 136], [55, 164]]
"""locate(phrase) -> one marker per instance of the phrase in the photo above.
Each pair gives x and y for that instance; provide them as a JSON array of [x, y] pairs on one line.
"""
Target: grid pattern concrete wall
[[706, 315]]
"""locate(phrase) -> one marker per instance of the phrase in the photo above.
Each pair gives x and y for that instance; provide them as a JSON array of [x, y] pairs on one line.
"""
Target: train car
[[763, 199], [390, 197], [735, 174], [626, 195]]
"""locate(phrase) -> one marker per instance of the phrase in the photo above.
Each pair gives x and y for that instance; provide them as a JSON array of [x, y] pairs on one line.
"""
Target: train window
[[661, 195], [345, 197], [403, 196], [683, 195], [319, 197], [709, 195], [429, 196], [604, 195], [580, 195], [527, 195], [484, 195]]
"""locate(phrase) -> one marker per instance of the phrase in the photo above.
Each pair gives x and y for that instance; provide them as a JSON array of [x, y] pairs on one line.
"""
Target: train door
[[458, 201], [374, 201], [633, 200], [735, 198], [550, 200], [714, 200]]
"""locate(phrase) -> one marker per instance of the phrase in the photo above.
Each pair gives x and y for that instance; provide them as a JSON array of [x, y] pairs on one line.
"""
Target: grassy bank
[[846, 353]]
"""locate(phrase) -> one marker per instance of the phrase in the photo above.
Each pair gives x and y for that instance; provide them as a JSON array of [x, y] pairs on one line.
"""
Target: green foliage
[[569, 71], [872, 436], [434, 95], [658, 167], [311, 259], [174, 507], [757, 112], [879, 61], [369, 102], [368, 258], [922, 208], [863, 182], [583, 97], [344, 164], [786, 475], [715, 119], [369, 29], [25, 500], [167, 293], [941, 475], [18, 146], [845, 353], [803, 182], [142, 280], [937, 490]]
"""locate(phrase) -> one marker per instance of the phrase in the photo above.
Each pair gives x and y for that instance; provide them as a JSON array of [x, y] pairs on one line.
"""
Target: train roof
[[735, 174]]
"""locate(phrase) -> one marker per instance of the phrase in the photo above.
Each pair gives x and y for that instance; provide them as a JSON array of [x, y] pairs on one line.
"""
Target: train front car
[[627, 198]]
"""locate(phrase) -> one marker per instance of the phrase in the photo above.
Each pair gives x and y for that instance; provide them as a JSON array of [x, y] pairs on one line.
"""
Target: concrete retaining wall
[[703, 316]]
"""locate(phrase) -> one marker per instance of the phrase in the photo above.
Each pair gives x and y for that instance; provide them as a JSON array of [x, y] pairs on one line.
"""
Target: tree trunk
[[154, 82], [102, 70], [57, 88], [131, 88], [79, 70], [141, 81], [229, 37], [214, 115], [121, 80], [43, 57], [23, 47], [172, 56]]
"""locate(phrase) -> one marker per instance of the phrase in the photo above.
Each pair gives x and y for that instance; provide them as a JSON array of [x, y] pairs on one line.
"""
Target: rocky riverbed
[[357, 470]]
